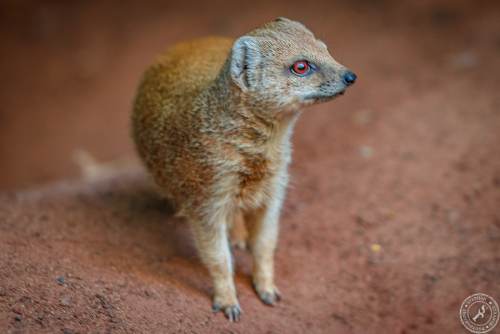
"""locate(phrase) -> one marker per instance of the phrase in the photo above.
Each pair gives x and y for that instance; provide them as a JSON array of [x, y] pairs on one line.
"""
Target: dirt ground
[[393, 213]]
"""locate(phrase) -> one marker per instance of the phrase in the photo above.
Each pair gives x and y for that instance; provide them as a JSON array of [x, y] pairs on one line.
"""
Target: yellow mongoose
[[212, 122]]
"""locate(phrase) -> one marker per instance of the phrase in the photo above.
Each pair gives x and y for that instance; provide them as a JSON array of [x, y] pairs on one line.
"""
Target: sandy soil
[[391, 220]]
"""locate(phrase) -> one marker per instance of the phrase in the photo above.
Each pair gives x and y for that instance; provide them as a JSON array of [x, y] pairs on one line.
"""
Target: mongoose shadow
[[137, 221]]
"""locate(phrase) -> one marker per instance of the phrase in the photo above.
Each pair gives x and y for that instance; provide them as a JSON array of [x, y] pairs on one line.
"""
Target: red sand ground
[[392, 218]]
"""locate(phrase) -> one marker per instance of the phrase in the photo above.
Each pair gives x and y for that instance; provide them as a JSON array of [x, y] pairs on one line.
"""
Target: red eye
[[300, 67]]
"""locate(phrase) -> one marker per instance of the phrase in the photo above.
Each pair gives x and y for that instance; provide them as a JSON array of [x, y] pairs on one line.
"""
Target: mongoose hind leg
[[238, 231], [263, 233], [211, 239]]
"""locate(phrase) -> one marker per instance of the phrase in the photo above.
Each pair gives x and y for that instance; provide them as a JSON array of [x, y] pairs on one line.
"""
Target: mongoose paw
[[232, 312], [268, 296]]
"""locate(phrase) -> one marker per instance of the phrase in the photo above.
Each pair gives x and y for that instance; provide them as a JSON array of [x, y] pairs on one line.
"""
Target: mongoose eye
[[300, 68]]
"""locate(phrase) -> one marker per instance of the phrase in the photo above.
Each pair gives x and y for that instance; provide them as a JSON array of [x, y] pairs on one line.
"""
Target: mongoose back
[[212, 122]]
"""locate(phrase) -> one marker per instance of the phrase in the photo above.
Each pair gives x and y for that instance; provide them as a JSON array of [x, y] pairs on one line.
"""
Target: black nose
[[349, 78]]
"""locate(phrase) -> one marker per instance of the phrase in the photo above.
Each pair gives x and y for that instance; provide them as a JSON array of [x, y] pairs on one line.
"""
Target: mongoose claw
[[216, 308], [232, 312], [269, 297]]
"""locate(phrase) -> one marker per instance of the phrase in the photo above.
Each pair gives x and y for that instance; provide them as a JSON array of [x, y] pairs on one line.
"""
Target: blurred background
[[69, 69], [393, 213]]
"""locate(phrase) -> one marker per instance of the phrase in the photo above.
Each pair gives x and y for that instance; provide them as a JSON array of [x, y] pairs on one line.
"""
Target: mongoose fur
[[212, 122]]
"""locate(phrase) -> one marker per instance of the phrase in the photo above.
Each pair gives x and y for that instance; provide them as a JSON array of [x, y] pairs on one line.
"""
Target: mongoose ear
[[245, 59]]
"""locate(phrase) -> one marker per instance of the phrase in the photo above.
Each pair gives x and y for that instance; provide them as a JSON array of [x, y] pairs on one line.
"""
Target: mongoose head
[[282, 66]]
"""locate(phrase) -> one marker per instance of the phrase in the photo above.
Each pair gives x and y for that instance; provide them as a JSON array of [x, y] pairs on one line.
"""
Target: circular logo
[[479, 313]]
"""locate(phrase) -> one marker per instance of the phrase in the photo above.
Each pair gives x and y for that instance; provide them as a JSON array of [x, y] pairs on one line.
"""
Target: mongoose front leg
[[211, 239], [263, 235]]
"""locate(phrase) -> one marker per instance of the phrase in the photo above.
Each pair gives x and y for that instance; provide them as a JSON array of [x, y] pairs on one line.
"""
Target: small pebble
[[376, 248], [65, 301], [18, 317], [363, 116], [366, 151], [60, 280]]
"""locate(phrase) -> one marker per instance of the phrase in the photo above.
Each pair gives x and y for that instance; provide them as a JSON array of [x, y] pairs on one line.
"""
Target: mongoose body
[[212, 122], [195, 140]]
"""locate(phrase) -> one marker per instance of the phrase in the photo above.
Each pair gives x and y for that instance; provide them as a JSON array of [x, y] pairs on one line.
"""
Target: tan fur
[[217, 143], [238, 233]]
